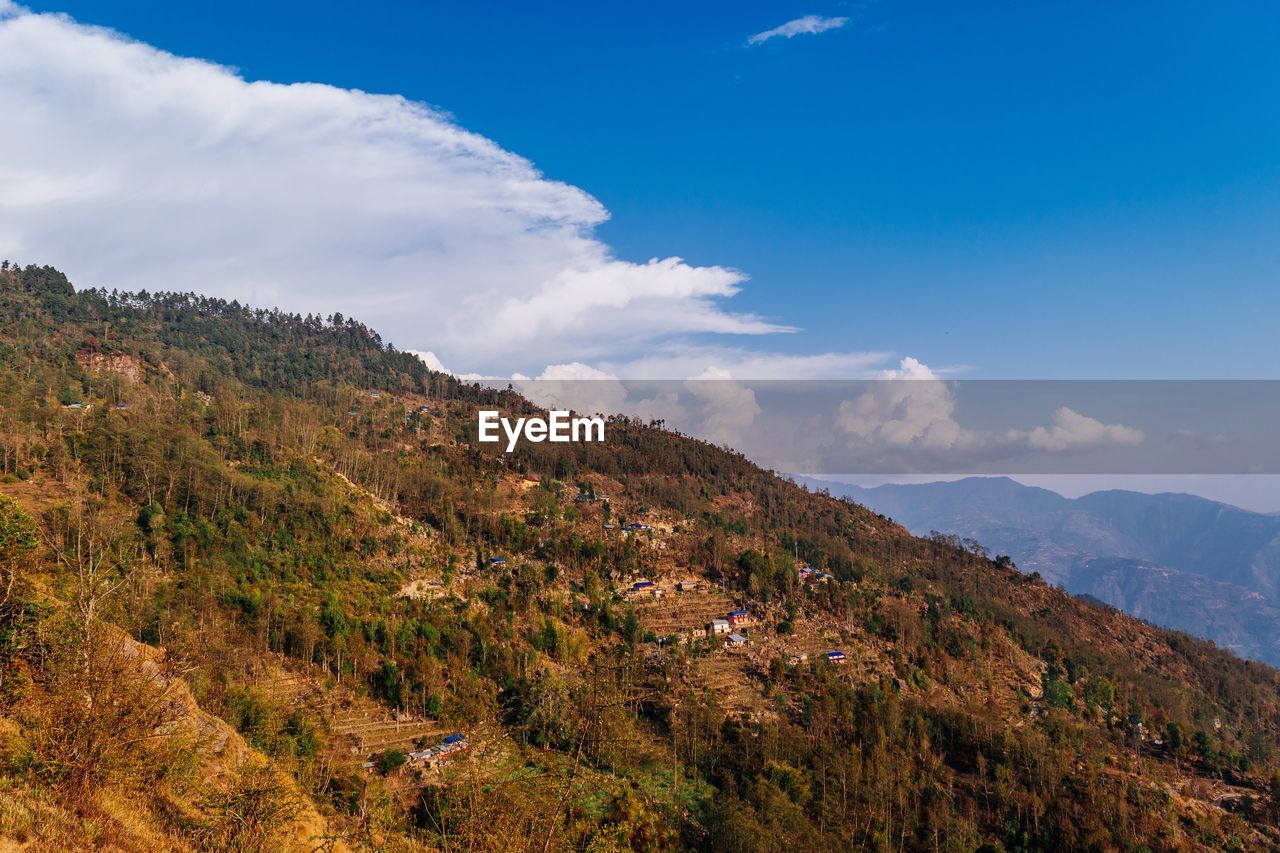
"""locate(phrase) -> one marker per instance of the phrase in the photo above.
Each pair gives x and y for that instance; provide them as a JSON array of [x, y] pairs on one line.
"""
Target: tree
[[1176, 740], [90, 545], [631, 628], [391, 761], [18, 538], [632, 823]]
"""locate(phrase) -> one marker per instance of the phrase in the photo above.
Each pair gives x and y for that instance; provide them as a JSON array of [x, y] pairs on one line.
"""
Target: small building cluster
[[732, 619], [808, 574], [644, 588], [448, 747]]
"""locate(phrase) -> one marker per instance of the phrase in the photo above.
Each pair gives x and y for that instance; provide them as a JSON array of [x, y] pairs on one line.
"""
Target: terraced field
[[684, 612], [357, 725]]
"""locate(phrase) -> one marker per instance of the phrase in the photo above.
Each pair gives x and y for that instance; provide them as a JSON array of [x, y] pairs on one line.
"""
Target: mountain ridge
[[301, 518], [1071, 540]]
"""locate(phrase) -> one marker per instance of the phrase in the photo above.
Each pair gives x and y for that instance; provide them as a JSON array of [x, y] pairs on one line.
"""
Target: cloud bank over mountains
[[133, 168]]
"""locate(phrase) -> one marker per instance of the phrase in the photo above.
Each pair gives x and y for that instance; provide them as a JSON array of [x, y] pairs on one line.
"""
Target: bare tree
[[91, 546]]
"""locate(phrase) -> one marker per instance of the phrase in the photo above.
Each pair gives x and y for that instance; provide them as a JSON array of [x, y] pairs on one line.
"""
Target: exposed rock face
[[221, 751], [183, 717], [123, 365]]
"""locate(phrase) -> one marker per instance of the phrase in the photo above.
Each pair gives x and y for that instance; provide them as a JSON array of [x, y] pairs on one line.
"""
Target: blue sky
[[1019, 189]]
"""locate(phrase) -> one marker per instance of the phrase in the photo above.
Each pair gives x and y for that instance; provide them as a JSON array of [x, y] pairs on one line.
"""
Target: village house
[[688, 586], [448, 747], [735, 641], [644, 588], [738, 617], [454, 743], [718, 626], [837, 658]]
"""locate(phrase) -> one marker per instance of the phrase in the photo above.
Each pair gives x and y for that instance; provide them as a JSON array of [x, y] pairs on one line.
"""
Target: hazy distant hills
[[1177, 560]]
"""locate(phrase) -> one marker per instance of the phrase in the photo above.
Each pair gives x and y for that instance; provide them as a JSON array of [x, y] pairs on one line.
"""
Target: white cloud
[[919, 416], [1074, 431], [726, 410], [138, 169], [575, 371], [431, 361], [807, 25], [910, 368], [918, 413], [718, 362]]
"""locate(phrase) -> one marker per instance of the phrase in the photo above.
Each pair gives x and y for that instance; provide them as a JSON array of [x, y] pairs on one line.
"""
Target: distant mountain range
[[1173, 559]]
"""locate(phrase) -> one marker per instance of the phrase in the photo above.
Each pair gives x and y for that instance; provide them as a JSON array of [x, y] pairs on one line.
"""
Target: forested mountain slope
[[1177, 560], [294, 520]]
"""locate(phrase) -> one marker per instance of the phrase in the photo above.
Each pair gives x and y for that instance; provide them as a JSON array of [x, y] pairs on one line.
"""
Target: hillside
[[1176, 560], [297, 520]]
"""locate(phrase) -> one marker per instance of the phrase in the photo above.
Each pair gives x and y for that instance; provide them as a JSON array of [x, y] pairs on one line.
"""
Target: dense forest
[[253, 564]]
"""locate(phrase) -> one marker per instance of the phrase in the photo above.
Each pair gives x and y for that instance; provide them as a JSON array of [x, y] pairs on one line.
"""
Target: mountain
[[1177, 560], [1196, 535], [262, 588]]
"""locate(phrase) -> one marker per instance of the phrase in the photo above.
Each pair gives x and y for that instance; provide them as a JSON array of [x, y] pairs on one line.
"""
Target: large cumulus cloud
[[134, 168]]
